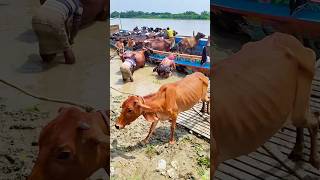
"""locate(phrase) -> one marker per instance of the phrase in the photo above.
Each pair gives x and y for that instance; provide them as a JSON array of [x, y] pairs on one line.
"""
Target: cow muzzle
[[119, 126]]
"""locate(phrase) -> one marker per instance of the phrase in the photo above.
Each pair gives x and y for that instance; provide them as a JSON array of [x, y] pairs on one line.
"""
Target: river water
[[183, 27]]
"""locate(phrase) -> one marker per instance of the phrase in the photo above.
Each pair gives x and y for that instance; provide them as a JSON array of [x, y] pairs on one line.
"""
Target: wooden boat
[[187, 62], [258, 18], [191, 63]]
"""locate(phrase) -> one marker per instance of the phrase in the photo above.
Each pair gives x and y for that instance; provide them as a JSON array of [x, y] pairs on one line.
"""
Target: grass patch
[[198, 148], [150, 151], [203, 161], [200, 171], [186, 139]]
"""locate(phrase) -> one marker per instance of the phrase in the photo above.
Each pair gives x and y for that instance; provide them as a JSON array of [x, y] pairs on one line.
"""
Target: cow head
[[132, 108], [200, 35], [72, 146]]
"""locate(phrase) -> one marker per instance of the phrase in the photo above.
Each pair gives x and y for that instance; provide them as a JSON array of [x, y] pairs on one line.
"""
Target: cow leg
[[314, 157], [203, 107], [131, 74], [173, 128], [297, 152], [151, 130]]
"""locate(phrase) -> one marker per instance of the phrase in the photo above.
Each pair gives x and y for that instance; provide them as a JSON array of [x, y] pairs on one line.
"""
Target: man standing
[[171, 34], [56, 24]]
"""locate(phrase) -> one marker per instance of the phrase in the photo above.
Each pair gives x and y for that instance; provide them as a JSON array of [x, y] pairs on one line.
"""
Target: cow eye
[[129, 110], [63, 155]]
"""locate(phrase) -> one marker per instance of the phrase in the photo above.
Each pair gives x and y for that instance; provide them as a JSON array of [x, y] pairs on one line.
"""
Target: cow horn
[[84, 126]]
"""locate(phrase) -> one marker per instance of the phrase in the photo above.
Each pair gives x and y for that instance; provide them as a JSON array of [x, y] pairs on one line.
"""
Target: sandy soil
[[187, 159]]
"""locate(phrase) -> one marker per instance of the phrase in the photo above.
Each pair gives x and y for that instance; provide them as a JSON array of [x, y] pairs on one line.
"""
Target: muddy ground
[[187, 159]]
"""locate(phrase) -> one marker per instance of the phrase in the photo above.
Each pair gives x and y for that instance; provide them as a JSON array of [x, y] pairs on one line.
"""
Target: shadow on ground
[[34, 64]]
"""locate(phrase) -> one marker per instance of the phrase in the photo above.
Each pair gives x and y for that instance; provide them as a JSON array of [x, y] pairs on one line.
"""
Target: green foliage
[[203, 161], [150, 151], [164, 15]]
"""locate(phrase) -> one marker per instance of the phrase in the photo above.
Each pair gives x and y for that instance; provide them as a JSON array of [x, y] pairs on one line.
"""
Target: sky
[[171, 6]]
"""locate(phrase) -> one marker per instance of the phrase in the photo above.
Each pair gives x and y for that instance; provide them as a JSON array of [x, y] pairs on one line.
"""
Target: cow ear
[[144, 107], [151, 117]]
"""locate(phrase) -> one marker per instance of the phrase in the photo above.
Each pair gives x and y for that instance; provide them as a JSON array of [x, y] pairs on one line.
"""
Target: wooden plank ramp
[[261, 165], [196, 121]]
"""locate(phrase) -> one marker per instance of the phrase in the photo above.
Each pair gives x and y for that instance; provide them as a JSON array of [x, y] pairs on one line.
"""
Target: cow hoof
[[172, 142], [144, 142], [315, 163]]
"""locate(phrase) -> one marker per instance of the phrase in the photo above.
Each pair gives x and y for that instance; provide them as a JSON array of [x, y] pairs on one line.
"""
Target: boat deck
[[260, 164]]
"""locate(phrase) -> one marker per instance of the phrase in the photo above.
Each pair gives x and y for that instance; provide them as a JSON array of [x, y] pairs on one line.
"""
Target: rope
[[122, 91], [87, 108]]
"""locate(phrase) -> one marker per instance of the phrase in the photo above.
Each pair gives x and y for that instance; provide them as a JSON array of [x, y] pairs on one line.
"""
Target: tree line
[[165, 15]]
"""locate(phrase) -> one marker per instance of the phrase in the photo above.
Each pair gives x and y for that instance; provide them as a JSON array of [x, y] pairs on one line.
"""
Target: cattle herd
[[140, 43]]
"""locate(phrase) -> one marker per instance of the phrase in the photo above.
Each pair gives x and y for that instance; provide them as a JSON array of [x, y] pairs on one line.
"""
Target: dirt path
[[187, 159]]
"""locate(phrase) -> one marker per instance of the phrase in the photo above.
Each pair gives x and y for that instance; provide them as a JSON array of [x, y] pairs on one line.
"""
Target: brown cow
[[166, 103], [257, 91], [73, 146], [158, 44], [189, 43], [120, 47]]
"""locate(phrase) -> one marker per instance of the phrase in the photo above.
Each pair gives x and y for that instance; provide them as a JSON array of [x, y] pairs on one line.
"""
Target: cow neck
[[105, 117], [144, 102]]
